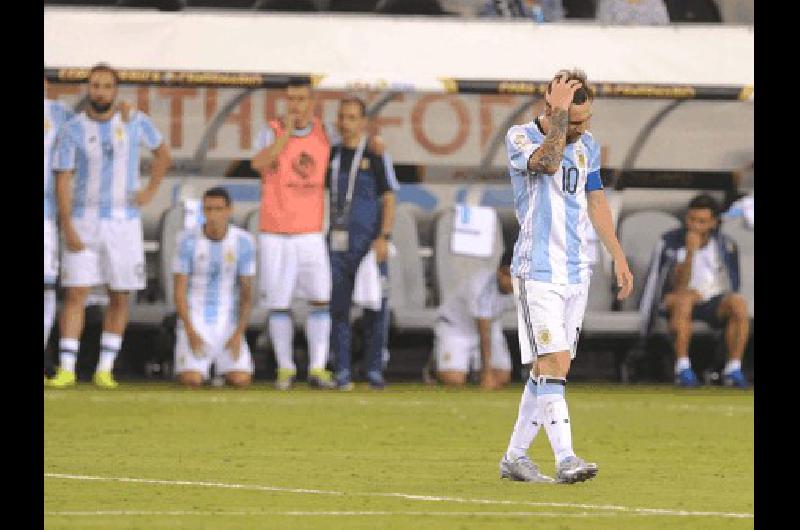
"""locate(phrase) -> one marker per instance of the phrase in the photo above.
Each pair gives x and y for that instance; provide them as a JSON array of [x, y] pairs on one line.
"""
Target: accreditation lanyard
[[341, 216]]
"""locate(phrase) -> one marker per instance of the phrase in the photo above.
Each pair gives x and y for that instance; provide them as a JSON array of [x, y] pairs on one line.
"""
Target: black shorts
[[705, 311]]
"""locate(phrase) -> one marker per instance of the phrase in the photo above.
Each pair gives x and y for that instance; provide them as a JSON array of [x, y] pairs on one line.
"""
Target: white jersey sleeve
[[246, 255], [182, 261]]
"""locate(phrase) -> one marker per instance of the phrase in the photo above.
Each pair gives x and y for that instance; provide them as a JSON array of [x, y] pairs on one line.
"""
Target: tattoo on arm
[[548, 157]]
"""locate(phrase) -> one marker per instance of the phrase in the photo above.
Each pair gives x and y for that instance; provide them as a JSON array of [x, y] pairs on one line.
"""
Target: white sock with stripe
[[527, 425], [110, 344], [555, 416], [281, 333], [318, 335], [68, 354]]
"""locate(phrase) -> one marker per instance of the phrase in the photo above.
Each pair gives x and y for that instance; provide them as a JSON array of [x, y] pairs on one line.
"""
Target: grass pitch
[[154, 456]]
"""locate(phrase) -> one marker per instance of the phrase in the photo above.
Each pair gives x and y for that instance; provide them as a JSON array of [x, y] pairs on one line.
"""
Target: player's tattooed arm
[[547, 158]]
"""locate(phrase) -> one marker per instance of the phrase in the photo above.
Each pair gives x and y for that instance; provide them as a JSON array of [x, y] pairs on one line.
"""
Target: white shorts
[[50, 251], [549, 316], [459, 352], [293, 266], [214, 340], [113, 255]]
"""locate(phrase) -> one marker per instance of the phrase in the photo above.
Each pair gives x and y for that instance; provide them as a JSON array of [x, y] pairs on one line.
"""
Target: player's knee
[[452, 378], [502, 377], [190, 379], [738, 306], [238, 379]]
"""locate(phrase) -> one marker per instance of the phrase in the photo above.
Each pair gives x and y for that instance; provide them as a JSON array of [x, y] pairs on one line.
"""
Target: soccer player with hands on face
[[554, 165]]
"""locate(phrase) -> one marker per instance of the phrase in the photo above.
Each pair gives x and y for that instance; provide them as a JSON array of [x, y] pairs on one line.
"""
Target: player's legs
[[191, 369], [277, 277], [453, 351], [123, 262], [501, 357], [314, 284], [732, 310], [50, 275], [679, 305], [237, 371]]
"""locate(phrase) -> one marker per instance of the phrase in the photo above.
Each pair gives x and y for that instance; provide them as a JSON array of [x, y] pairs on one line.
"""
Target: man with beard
[[99, 215]]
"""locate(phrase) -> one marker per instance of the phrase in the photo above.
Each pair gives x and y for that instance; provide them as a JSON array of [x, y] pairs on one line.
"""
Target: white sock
[[49, 313], [555, 416], [281, 333], [318, 335], [528, 424], [68, 354], [733, 365], [110, 344], [682, 364]]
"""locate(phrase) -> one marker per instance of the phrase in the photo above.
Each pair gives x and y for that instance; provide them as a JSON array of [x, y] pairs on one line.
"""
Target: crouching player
[[469, 332], [214, 267]]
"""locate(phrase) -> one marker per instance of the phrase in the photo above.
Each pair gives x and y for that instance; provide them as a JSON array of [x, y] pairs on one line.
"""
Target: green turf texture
[[657, 447]]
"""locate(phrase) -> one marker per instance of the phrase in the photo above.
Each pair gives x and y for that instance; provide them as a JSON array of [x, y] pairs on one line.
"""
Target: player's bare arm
[[547, 158], [64, 199], [182, 308], [234, 343], [485, 333], [161, 162], [600, 215], [381, 243]]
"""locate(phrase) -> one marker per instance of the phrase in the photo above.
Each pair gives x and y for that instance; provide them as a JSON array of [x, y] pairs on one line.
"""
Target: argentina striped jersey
[[552, 212], [214, 268], [105, 157], [55, 114]]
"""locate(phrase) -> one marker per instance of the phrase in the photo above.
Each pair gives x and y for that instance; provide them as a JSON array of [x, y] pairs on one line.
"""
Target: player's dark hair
[[508, 255], [218, 191], [299, 81], [584, 92], [356, 101], [704, 200], [104, 67]]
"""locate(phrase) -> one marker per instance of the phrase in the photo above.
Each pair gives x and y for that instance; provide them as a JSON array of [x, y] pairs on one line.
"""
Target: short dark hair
[[218, 191], [704, 200], [584, 92], [299, 81], [104, 67], [508, 256], [355, 100]]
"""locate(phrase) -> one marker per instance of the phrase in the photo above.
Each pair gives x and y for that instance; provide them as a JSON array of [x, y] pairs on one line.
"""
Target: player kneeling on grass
[[469, 332], [214, 268]]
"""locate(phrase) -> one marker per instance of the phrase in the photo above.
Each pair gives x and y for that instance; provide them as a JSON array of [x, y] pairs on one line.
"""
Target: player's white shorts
[[50, 251], [214, 339], [459, 352], [113, 255], [549, 316], [292, 266]]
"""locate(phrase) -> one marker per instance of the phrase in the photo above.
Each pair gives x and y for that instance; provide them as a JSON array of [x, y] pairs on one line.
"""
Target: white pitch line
[[256, 487], [326, 513]]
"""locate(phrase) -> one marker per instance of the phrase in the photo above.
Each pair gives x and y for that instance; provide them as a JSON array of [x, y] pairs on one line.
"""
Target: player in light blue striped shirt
[[99, 216], [55, 114], [214, 269], [554, 164]]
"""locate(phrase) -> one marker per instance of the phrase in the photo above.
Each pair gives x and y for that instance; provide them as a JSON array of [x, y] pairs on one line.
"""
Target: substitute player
[[99, 214], [468, 332], [55, 114], [554, 164], [292, 158], [214, 269]]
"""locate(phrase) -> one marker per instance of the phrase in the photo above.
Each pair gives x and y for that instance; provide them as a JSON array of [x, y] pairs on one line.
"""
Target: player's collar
[[539, 124]]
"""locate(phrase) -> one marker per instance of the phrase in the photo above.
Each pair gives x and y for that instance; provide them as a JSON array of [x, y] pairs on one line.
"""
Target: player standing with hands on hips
[[554, 164]]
